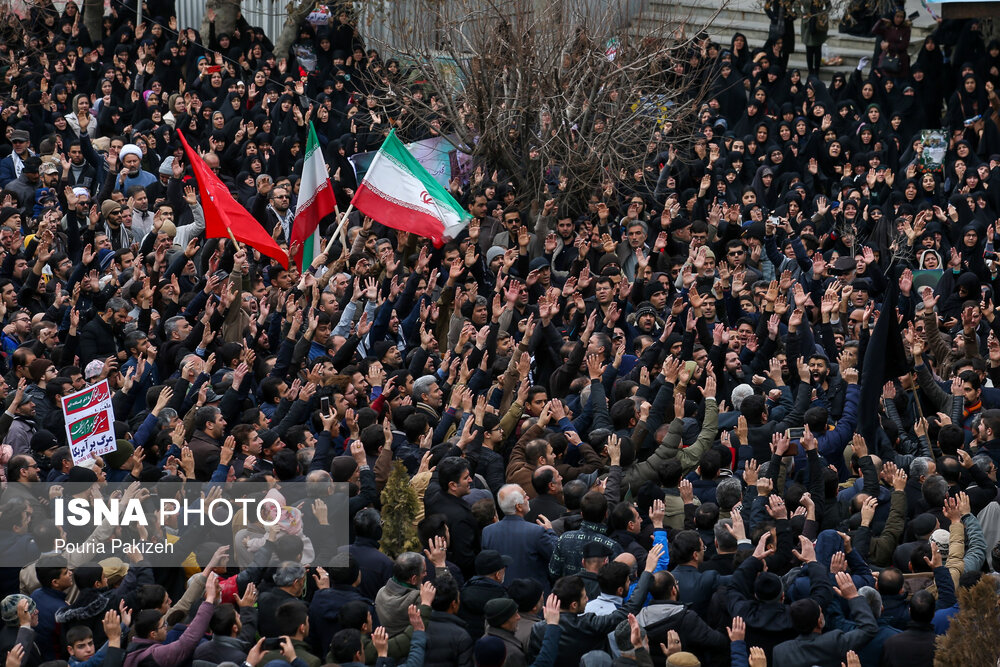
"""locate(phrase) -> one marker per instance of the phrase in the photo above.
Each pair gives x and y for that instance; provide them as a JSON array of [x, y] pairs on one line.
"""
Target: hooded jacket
[[662, 616]]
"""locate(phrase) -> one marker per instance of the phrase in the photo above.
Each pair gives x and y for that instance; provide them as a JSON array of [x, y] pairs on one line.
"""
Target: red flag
[[223, 214]]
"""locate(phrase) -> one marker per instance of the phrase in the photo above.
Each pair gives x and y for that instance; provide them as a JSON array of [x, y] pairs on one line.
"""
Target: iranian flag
[[398, 192], [316, 201]]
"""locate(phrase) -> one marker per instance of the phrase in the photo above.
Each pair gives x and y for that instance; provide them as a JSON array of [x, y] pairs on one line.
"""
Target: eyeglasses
[[280, 197], [736, 253]]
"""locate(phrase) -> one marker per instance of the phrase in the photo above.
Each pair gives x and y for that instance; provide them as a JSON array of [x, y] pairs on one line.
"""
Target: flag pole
[[237, 243], [340, 228]]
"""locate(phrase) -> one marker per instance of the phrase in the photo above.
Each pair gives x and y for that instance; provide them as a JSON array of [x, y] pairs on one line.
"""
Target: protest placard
[[90, 417]]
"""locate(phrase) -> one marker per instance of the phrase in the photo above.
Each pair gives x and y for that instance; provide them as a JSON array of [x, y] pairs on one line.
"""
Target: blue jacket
[[49, 601], [7, 173], [871, 654], [697, 588], [528, 544], [324, 613], [832, 443]]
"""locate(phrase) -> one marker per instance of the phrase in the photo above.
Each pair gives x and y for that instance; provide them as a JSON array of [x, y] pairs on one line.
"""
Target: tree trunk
[[297, 12], [226, 13], [93, 17]]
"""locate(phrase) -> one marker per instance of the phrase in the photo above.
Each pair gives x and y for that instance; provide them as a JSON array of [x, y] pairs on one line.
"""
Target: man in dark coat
[[696, 586], [757, 597], [502, 619], [529, 545], [324, 610], [233, 631], [666, 613], [913, 647], [455, 481], [583, 632], [206, 443], [485, 586], [289, 580], [448, 640], [815, 647], [375, 566], [547, 483], [100, 338]]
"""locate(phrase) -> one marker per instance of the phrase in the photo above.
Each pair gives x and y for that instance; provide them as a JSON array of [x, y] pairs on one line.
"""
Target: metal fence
[[267, 14], [379, 26]]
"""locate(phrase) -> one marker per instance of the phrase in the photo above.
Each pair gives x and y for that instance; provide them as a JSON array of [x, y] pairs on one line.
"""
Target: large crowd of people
[[625, 429]]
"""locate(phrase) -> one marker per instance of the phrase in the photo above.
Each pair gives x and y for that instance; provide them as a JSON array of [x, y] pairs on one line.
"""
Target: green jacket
[[644, 471]]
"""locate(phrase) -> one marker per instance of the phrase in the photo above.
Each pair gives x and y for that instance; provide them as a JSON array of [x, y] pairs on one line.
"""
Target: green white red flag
[[316, 201], [398, 192]]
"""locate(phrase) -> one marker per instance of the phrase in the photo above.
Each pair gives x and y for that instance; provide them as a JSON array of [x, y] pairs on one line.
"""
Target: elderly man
[[529, 545], [289, 582], [395, 598], [132, 173], [428, 397]]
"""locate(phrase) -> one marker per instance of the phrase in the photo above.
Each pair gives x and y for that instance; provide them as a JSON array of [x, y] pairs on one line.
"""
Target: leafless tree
[[528, 85]]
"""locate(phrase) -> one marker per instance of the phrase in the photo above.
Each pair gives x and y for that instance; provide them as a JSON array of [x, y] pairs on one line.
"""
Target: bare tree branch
[[546, 91]]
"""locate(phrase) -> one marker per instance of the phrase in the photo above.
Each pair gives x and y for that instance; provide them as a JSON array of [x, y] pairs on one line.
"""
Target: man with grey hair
[[102, 336], [871, 654], [728, 494], [319, 483], [529, 544], [921, 468], [394, 599], [636, 232], [983, 492], [289, 582], [182, 339], [428, 397], [726, 543]]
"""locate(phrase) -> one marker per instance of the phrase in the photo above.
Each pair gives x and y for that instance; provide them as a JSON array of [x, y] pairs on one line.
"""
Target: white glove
[[863, 63]]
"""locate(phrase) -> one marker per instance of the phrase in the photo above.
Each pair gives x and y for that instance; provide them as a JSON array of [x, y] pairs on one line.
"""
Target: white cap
[[941, 538], [130, 149]]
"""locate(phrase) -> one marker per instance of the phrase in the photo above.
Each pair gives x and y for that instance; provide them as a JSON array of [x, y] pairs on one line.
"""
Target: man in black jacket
[[813, 646], [757, 596], [584, 632], [547, 483], [913, 647], [666, 613], [101, 337], [755, 410], [206, 442], [233, 631], [448, 640], [485, 586], [456, 482], [289, 580], [375, 566]]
